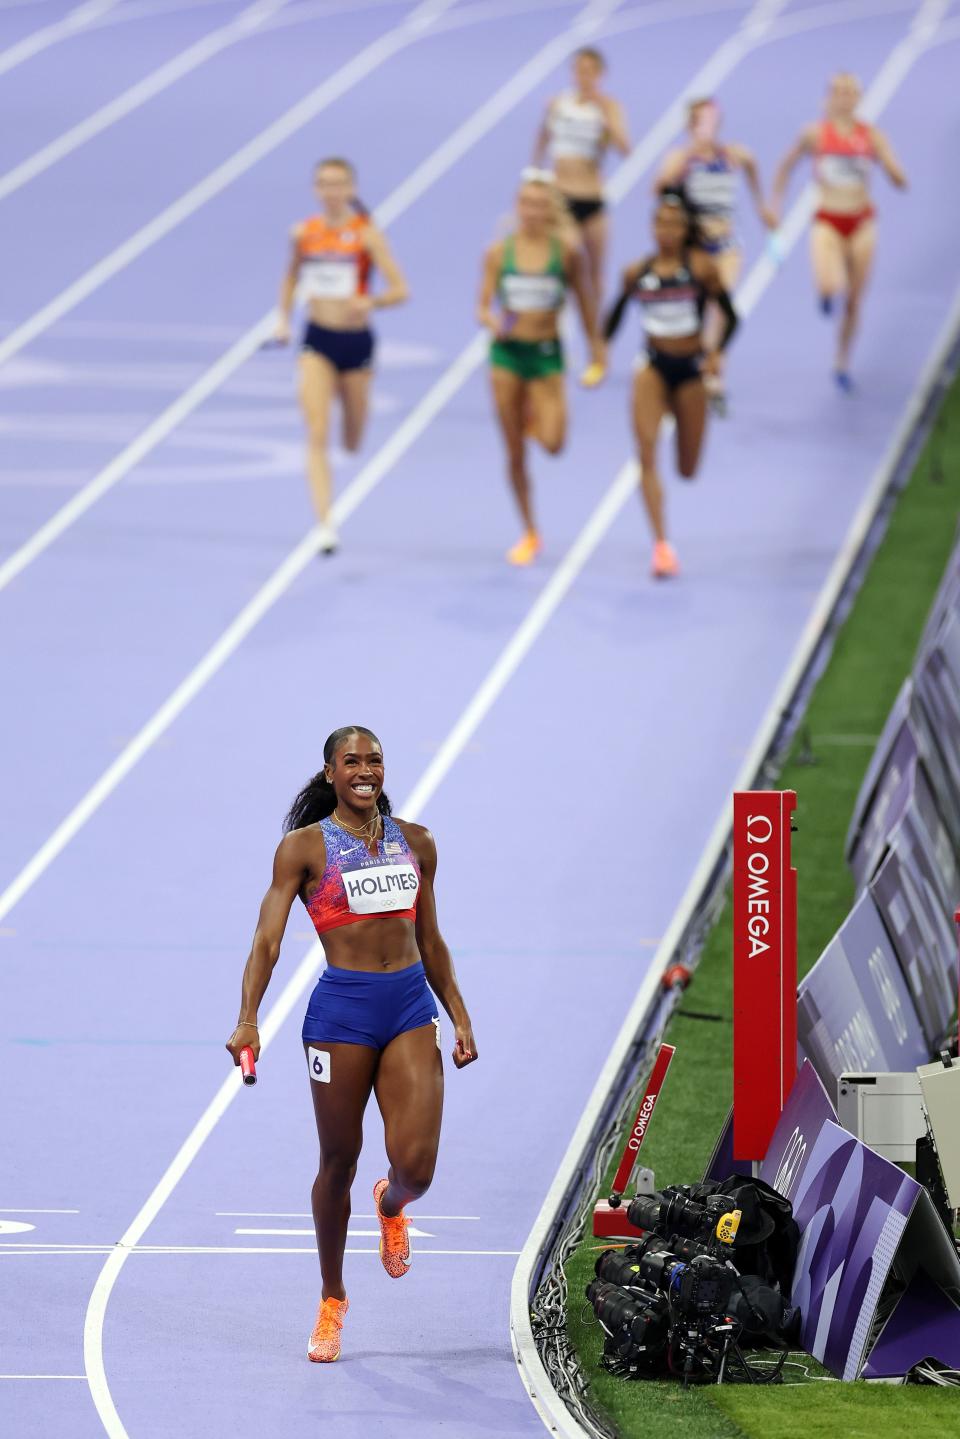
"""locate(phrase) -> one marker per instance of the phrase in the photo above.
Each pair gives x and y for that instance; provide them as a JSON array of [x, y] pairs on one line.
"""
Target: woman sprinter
[[333, 256], [706, 171], [579, 127], [844, 233], [366, 880], [672, 287], [524, 284]]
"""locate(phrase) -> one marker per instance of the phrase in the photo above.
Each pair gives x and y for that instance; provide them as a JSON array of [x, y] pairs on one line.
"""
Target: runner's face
[[705, 121], [844, 96], [586, 74], [670, 229], [357, 772], [534, 208], [334, 187]]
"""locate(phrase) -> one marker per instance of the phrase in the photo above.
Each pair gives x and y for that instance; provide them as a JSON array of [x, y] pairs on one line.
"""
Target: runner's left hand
[[464, 1046], [360, 307]]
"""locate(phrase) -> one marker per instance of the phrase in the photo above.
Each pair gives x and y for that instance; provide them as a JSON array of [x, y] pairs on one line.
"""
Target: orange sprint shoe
[[394, 1239], [525, 551], [324, 1346], [665, 562]]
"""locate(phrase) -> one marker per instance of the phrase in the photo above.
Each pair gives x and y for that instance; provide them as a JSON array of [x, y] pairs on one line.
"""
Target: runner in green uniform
[[525, 280]]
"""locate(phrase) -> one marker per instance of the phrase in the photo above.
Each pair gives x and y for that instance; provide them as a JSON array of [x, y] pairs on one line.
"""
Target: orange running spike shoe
[[394, 1239], [525, 551], [324, 1346], [665, 562]]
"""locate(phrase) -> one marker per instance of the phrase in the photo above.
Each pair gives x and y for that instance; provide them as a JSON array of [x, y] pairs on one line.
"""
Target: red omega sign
[[764, 966]]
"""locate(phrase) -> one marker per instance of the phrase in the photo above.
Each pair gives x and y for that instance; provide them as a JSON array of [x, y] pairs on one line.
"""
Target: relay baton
[[247, 1067]]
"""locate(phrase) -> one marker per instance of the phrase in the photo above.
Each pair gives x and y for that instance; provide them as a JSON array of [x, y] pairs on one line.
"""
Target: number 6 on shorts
[[318, 1061]]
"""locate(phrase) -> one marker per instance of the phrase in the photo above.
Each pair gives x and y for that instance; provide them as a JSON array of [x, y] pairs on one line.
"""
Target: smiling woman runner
[[366, 880], [522, 292], [844, 233], [330, 266]]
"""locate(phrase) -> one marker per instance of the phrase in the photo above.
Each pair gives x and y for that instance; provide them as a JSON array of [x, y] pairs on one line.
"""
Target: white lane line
[[546, 1401], [410, 190], [442, 159], [123, 1250], [412, 1230], [71, 24], [195, 55], [370, 58]]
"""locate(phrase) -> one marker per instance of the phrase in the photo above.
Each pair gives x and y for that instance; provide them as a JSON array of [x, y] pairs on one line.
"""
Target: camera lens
[[633, 1323], [618, 1268]]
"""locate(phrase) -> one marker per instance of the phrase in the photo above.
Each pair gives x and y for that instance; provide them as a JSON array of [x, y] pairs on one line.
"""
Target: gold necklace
[[359, 832]]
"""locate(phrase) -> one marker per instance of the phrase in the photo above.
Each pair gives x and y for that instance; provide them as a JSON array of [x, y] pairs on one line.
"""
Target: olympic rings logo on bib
[[380, 886]]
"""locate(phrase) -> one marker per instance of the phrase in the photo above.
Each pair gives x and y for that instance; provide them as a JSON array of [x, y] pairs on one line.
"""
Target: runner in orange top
[[844, 234], [330, 266]]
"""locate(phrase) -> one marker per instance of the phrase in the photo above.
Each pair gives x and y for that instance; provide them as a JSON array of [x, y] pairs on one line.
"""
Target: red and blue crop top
[[357, 885]]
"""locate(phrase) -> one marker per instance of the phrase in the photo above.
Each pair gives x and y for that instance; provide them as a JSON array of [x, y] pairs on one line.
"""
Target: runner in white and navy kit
[[673, 288], [579, 127], [706, 171]]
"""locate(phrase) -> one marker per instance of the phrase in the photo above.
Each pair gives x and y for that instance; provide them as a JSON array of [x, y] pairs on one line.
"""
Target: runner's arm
[[437, 963], [887, 160], [288, 288], [616, 118], [289, 872], [803, 145], [543, 138], [486, 314], [614, 316], [720, 297], [586, 303], [397, 289], [670, 174], [748, 164]]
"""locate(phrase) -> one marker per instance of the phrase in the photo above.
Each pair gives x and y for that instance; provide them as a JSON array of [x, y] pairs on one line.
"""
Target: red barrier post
[[764, 966]]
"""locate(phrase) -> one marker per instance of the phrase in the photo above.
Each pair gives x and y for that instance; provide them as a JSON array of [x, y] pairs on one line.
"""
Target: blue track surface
[[569, 824]]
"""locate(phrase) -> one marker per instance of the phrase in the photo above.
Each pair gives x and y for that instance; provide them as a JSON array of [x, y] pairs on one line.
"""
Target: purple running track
[[616, 740]]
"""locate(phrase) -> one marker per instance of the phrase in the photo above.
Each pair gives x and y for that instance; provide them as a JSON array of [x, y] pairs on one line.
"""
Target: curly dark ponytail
[[318, 799]]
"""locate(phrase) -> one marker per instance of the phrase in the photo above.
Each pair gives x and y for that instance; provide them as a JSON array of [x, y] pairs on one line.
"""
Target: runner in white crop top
[[578, 128]]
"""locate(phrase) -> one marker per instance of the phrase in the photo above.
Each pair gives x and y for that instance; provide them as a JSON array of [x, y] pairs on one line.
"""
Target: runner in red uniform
[[844, 234]]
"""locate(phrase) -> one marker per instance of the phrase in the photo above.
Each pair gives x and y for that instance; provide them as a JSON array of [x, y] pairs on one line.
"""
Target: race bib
[[318, 1062], [380, 886], [329, 278], [843, 172]]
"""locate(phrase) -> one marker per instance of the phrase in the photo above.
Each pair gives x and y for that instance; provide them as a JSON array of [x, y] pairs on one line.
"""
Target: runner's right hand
[[245, 1035]]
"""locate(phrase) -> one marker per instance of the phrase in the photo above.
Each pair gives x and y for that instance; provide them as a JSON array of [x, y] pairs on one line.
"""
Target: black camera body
[[675, 1302]]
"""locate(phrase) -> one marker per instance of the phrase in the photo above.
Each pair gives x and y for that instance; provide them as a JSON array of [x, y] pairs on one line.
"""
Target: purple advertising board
[[947, 600], [859, 1215], [854, 1011], [908, 892], [907, 736], [893, 752], [935, 686], [852, 1208]]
